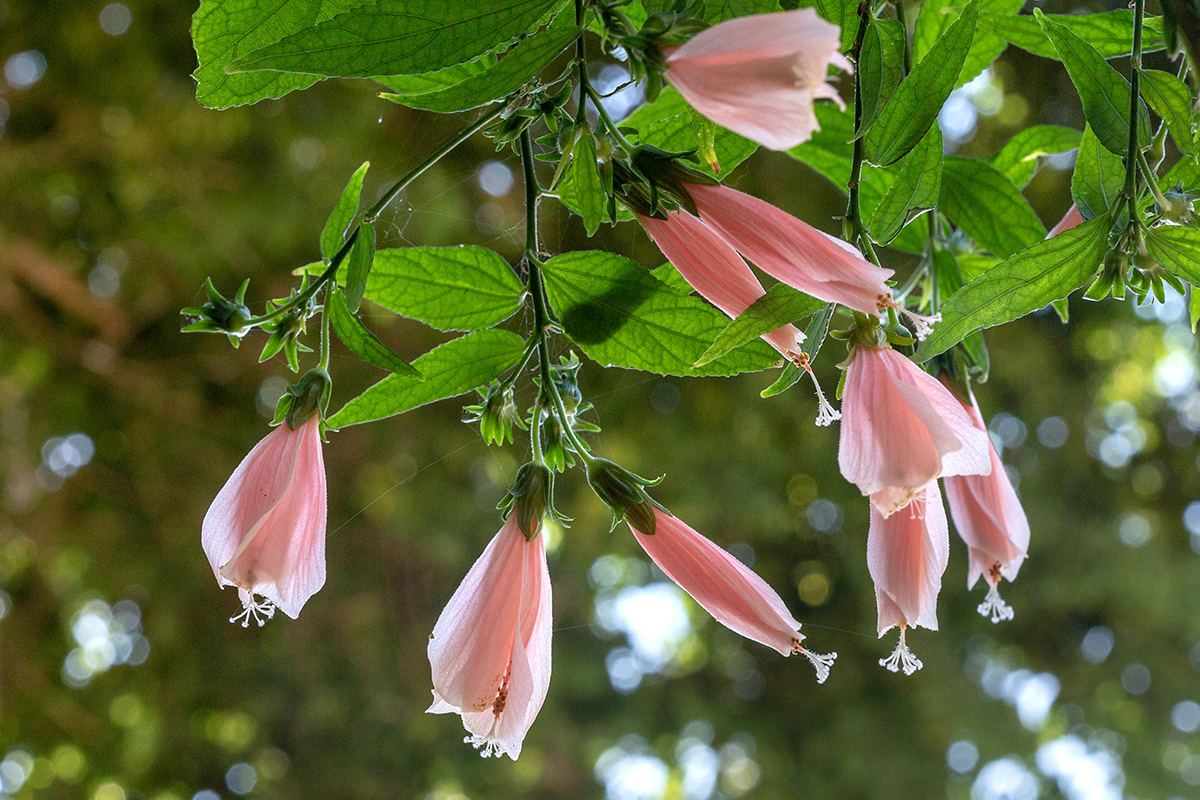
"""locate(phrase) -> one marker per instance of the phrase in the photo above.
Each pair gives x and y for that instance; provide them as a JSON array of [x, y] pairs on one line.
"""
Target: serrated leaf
[[988, 207], [439, 79], [456, 367], [950, 279], [1018, 158], [343, 214], [669, 274], [1098, 178], [880, 67], [1171, 100], [914, 107], [621, 315], [1103, 91], [588, 189], [514, 69], [451, 288], [1029, 280], [1185, 172], [395, 37], [358, 266], [779, 306], [223, 30], [1110, 32], [914, 191], [936, 16], [1177, 249], [717, 10], [362, 342], [843, 13]]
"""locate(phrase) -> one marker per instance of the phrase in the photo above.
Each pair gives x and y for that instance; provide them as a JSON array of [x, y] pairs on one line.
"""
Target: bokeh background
[[121, 678]]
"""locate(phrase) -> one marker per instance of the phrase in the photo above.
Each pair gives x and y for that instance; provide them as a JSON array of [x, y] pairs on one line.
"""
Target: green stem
[[325, 333], [902, 11], [611, 126], [857, 230], [1152, 181], [316, 285], [1131, 159]]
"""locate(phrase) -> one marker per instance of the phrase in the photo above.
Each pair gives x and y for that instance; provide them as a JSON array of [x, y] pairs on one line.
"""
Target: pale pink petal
[[906, 555], [1069, 220], [791, 250], [714, 270], [964, 448]]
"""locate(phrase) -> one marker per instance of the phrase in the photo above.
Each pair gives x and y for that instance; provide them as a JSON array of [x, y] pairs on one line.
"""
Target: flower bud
[[306, 397], [532, 495], [623, 492], [221, 315], [495, 415]]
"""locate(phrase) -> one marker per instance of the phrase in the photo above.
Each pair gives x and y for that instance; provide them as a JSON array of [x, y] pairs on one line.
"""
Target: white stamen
[[821, 662], [901, 658], [260, 610], [993, 606], [486, 747], [826, 413], [916, 507], [922, 324]]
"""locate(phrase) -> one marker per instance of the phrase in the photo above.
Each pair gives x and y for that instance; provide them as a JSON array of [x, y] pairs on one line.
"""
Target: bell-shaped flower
[[907, 554], [490, 648], [726, 588], [1070, 220], [265, 531], [792, 251], [902, 429], [759, 75], [715, 270], [989, 518]]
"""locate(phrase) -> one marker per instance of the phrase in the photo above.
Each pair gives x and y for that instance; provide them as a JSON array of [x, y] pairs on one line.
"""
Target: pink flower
[[907, 554], [265, 531], [989, 518], [726, 588], [902, 429], [759, 75], [715, 270], [1069, 220], [793, 251], [490, 648]]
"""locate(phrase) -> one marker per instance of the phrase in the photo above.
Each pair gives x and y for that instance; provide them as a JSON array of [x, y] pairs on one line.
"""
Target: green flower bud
[[624, 493]]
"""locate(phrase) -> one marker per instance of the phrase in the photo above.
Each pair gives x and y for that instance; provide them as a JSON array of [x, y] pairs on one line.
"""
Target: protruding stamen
[[486, 747], [922, 324], [901, 658], [821, 662], [916, 507], [826, 413], [993, 606], [258, 610]]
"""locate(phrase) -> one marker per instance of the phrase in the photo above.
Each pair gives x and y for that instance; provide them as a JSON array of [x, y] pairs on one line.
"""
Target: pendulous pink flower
[[265, 531], [726, 588], [902, 429], [490, 648], [907, 554], [759, 75], [1071, 219], [989, 518], [792, 251]]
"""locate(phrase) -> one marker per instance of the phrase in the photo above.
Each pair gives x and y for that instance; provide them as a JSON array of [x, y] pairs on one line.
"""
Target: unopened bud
[[305, 398], [221, 315], [496, 415], [623, 492]]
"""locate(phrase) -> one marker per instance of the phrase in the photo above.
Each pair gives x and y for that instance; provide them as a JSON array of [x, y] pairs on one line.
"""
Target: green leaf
[[989, 208], [668, 274], [358, 266], [914, 191], [1025, 282], [936, 16], [334, 232], [520, 64], [1103, 91], [588, 188], [223, 30], [779, 306], [362, 342], [455, 368], [1177, 249], [843, 13], [1110, 32], [1017, 160], [621, 315], [450, 288], [438, 80], [1171, 100], [1185, 172], [394, 37], [950, 280], [1098, 178], [881, 66], [905, 120], [718, 10]]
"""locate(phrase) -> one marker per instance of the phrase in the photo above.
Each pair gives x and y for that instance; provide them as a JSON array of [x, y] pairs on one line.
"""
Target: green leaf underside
[[358, 266], [334, 232], [779, 306], [440, 79], [1177, 249], [1098, 178], [913, 108], [936, 16], [843, 13], [1171, 100], [395, 37], [915, 189], [454, 368], [515, 68], [1185, 172], [460, 288], [1031, 279], [668, 274], [223, 30], [1018, 158], [718, 10], [1103, 91], [988, 207], [588, 188], [881, 66], [1110, 32], [621, 315], [363, 343]]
